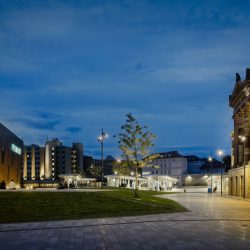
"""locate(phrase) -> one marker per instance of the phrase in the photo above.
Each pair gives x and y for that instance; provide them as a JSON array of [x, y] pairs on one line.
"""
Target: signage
[[16, 149]]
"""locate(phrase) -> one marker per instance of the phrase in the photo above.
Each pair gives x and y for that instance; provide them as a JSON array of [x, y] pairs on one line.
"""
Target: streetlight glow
[[243, 138], [220, 152], [210, 159]]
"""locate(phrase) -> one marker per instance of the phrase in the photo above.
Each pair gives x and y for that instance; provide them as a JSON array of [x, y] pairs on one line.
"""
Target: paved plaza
[[211, 223]]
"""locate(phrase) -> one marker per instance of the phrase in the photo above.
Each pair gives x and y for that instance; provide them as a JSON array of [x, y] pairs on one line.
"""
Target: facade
[[10, 157], [87, 162], [107, 164], [196, 165], [239, 175], [43, 165], [170, 164]]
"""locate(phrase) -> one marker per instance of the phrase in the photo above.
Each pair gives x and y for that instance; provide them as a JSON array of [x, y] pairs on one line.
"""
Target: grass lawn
[[45, 206]]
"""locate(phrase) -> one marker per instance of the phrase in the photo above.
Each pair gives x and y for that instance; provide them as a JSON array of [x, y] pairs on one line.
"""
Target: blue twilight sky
[[69, 68]]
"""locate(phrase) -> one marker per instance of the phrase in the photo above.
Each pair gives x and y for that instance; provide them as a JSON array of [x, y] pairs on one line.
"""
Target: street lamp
[[220, 153], [101, 139], [210, 159], [243, 140]]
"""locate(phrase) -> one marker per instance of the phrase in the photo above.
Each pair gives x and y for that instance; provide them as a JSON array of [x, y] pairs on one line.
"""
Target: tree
[[121, 168], [135, 142], [95, 171]]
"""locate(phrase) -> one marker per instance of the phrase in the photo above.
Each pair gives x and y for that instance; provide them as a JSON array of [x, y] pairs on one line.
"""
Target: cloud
[[40, 125], [73, 130], [75, 67]]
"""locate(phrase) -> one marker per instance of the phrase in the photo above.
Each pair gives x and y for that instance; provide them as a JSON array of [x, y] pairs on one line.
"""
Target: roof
[[110, 157], [193, 158], [2, 127], [171, 154]]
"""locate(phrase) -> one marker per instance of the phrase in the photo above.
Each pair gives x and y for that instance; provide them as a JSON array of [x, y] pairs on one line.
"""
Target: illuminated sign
[[16, 149]]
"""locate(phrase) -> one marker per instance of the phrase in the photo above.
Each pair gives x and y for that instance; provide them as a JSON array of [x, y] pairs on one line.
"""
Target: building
[[194, 164], [107, 164], [10, 157], [43, 165], [197, 165], [87, 162], [170, 163], [239, 175]]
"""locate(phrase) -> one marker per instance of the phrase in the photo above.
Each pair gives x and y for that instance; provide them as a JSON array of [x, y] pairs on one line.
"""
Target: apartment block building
[[45, 164]]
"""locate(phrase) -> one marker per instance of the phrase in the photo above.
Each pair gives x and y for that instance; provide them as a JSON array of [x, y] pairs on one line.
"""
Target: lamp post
[[210, 159], [101, 139], [220, 153], [243, 140]]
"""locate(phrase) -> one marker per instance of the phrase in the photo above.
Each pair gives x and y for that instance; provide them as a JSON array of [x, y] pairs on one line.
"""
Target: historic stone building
[[170, 164], [239, 175]]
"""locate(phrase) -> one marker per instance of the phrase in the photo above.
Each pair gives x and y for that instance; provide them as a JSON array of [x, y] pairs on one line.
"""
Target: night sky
[[69, 68]]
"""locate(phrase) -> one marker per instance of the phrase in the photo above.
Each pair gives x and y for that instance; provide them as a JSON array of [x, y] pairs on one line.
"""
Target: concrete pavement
[[213, 222]]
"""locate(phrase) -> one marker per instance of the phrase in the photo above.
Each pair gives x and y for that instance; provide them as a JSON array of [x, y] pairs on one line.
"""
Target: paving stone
[[213, 223]]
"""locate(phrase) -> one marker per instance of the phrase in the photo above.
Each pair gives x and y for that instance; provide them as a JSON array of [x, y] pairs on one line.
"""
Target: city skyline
[[69, 69]]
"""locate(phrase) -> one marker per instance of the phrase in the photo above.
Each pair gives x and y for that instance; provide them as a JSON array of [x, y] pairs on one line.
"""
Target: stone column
[[239, 131], [247, 133], [232, 150]]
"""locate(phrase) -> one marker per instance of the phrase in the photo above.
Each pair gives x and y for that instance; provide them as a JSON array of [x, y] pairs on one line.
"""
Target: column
[[247, 133], [241, 132], [235, 140], [232, 149]]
